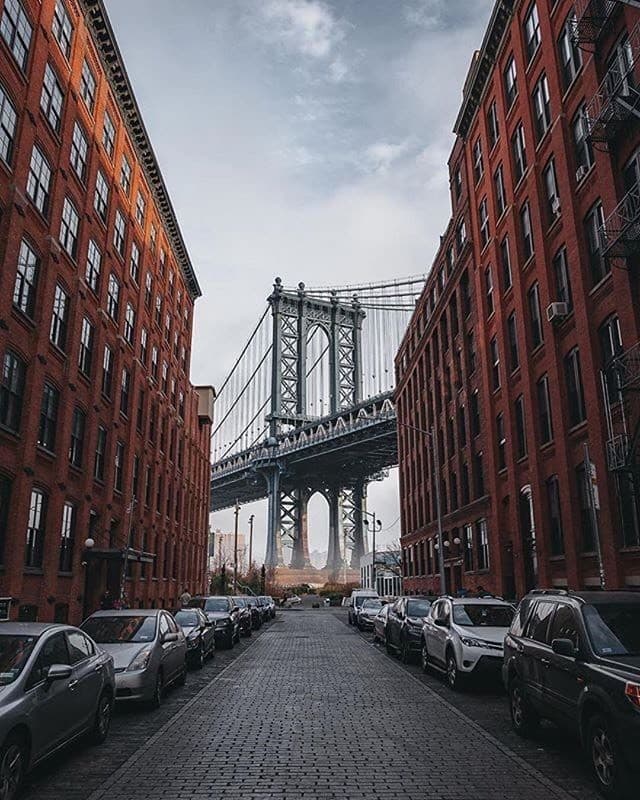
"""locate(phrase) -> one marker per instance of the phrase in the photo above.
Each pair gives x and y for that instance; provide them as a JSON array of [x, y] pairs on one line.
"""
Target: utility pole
[[436, 469], [594, 505], [251, 518], [376, 525], [235, 548]]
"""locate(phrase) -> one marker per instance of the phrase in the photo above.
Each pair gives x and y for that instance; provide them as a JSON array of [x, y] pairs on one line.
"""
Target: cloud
[[306, 27], [423, 13], [381, 155]]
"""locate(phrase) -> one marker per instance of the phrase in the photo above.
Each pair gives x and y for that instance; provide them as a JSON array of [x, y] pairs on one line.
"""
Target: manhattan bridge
[[308, 407]]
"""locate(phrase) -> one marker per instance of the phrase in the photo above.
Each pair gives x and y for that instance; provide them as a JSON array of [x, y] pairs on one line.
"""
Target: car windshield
[[359, 600], [614, 628], [240, 602], [372, 603], [14, 654], [418, 608], [216, 604], [187, 619], [471, 615], [119, 630]]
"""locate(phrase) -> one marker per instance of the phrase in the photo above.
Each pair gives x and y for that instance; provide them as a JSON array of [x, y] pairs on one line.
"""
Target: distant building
[[388, 577], [222, 552]]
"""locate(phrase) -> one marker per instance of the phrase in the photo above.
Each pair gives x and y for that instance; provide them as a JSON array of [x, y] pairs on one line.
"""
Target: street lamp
[[376, 524], [251, 518], [235, 549]]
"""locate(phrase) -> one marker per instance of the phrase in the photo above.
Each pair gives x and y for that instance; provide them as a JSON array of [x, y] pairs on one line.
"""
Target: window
[[555, 515], [88, 86], [129, 324], [158, 311], [76, 445], [48, 417], [67, 530], [69, 227], [108, 135], [24, 291], [594, 223], [79, 151], [495, 363], [125, 390], [36, 528], [165, 377], [551, 189], [62, 28], [140, 412], [51, 98], [125, 174], [181, 404], [94, 261], [101, 450], [113, 297], [570, 55], [541, 107], [478, 164], [535, 317], [501, 197], [475, 413], [583, 149], [118, 467], [519, 149], [488, 283], [482, 544], [107, 371], [575, 392], [5, 503], [148, 289], [610, 347], [80, 647], [544, 410], [502, 442], [510, 82], [154, 362], [526, 232], [483, 217], [8, 119], [493, 127], [512, 336], [39, 180], [583, 477], [562, 280], [12, 391], [140, 207], [101, 197], [59, 318], [144, 338], [521, 428], [505, 263], [461, 235], [532, 31], [468, 548], [134, 264], [16, 30], [119, 232], [85, 353], [457, 183], [538, 623]]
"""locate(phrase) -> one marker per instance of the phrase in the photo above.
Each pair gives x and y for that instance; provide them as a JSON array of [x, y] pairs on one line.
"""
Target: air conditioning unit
[[581, 172], [557, 311], [555, 206]]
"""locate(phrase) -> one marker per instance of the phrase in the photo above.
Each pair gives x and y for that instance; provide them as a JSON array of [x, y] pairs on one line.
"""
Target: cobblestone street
[[309, 709]]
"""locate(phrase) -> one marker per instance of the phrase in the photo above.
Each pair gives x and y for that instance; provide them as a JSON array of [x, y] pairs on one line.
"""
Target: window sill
[[557, 558], [9, 432], [33, 571], [574, 82], [44, 451], [585, 178], [65, 574], [23, 318], [578, 428], [535, 57], [602, 282], [529, 262], [547, 445]]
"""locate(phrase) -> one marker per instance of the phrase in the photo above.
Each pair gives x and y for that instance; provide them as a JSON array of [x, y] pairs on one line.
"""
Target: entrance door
[[528, 534]]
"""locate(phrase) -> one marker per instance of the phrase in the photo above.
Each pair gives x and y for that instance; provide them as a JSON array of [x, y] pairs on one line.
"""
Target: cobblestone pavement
[[310, 710]]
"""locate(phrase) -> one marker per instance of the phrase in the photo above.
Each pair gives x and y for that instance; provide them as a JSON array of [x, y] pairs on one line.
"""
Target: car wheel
[[608, 765], [102, 721], [424, 656], [454, 679], [523, 717], [158, 690], [13, 764]]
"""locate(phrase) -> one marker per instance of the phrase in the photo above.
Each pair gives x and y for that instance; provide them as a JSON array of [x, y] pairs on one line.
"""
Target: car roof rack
[[563, 592]]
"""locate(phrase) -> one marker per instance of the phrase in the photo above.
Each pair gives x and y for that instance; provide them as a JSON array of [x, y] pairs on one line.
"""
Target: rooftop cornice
[[104, 39], [482, 64]]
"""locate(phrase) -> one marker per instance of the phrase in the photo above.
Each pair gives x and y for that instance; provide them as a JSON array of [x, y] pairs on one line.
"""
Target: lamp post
[[376, 524], [89, 544], [251, 518], [235, 548]]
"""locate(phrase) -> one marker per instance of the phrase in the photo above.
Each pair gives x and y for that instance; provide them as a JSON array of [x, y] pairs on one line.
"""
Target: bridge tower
[[294, 316]]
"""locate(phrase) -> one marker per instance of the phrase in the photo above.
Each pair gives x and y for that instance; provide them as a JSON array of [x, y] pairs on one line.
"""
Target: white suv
[[465, 636]]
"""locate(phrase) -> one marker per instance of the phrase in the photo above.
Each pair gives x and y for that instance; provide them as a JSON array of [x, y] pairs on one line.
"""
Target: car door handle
[[97, 668], [73, 684], [545, 662]]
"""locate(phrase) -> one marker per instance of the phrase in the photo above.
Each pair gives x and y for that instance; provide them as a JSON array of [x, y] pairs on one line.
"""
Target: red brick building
[[104, 443], [523, 348]]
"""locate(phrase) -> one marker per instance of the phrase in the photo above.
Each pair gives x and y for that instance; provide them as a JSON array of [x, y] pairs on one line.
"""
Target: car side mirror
[[441, 623], [170, 637], [58, 672], [209, 623], [564, 647]]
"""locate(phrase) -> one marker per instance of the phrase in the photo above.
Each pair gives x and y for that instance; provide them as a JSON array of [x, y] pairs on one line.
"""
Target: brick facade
[[527, 519], [143, 492]]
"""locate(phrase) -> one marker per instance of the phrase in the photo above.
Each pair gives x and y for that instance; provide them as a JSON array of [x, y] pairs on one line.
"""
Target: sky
[[306, 139]]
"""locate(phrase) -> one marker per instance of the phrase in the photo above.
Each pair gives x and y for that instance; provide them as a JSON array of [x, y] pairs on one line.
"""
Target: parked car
[[465, 635], [244, 615], [403, 633], [263, 605], [148, 647], [358, 596], [380, 624], [199, 633], [56, 685], [367, 613], [574, 658], [292, 602], [256, 616], [222, 611], [271, 604]]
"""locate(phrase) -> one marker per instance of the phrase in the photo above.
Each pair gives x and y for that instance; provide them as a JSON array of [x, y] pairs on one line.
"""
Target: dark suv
[[574, 658]]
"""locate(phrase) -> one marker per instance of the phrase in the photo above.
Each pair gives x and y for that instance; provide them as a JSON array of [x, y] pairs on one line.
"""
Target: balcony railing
[[618, 452], [591, 18], [627, 368], [620, 234]]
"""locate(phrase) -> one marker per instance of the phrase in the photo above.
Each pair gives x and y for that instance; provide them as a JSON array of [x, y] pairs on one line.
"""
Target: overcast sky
[[301, 138]]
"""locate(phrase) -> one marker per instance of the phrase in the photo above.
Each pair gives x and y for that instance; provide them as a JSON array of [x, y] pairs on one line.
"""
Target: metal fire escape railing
[[592, 17], [620, 234], [617, 99], [621, 446]]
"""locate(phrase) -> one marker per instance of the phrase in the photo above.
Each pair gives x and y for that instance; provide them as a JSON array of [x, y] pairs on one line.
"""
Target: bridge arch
[[317, 370]]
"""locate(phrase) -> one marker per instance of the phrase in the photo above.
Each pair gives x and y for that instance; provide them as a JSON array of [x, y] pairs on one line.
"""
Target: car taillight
[[632, 691]]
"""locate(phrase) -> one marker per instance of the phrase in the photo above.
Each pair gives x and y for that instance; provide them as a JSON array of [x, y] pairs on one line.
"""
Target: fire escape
[[593, 17]]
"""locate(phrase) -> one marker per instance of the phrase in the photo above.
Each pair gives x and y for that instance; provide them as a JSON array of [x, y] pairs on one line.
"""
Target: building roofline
[[104, 39], [482, 64]]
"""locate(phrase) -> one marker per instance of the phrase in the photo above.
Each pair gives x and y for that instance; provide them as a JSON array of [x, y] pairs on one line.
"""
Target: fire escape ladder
[[621, 445], [620, 234]]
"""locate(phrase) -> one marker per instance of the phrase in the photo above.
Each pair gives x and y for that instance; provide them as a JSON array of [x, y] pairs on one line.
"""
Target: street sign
[[594, 486], [5, 608]]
